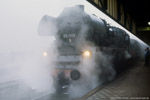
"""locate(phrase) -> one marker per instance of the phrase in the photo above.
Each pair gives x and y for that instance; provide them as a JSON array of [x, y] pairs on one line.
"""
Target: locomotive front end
[[72, 26]]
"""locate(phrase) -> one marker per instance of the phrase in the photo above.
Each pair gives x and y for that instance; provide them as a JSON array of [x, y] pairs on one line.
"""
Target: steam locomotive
[[80, 38]]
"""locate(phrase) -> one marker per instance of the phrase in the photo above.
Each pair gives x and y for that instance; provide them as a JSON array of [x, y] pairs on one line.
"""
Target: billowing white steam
[[32, 68], [94, 71], [31, 71], [19, 25], [35, 72]]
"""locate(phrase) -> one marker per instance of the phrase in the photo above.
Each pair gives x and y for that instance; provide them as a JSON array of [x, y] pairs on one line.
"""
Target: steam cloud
[[93, 71], [34, 70]]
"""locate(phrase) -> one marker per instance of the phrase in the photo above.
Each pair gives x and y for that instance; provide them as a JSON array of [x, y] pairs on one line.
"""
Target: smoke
[[21, 47], [99, 67], [32, 68], [93, 73], [127, 55], [36, 73], [21, 50], [137, 49]]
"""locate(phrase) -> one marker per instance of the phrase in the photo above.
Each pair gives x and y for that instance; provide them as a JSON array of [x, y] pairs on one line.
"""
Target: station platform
[[132, 84]]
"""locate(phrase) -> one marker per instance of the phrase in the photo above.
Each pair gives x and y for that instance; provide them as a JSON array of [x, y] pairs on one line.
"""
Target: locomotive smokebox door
[[75, 75]]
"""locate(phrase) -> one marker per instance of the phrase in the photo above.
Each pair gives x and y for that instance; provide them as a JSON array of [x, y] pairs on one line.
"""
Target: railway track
[[54, 96], [17, 90], [8, 84], [49, 96], [14, 84], [10, 87], [42, 97], [30, 94]]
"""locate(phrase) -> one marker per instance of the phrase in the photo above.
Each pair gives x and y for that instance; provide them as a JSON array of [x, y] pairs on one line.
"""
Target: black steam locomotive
[[80, 37]]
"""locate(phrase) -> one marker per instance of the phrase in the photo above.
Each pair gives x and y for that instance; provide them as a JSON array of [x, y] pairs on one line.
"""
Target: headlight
[[44, 54], [87, 54]]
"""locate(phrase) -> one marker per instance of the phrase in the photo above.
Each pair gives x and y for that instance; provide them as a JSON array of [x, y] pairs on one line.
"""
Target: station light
[[148, 23]]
